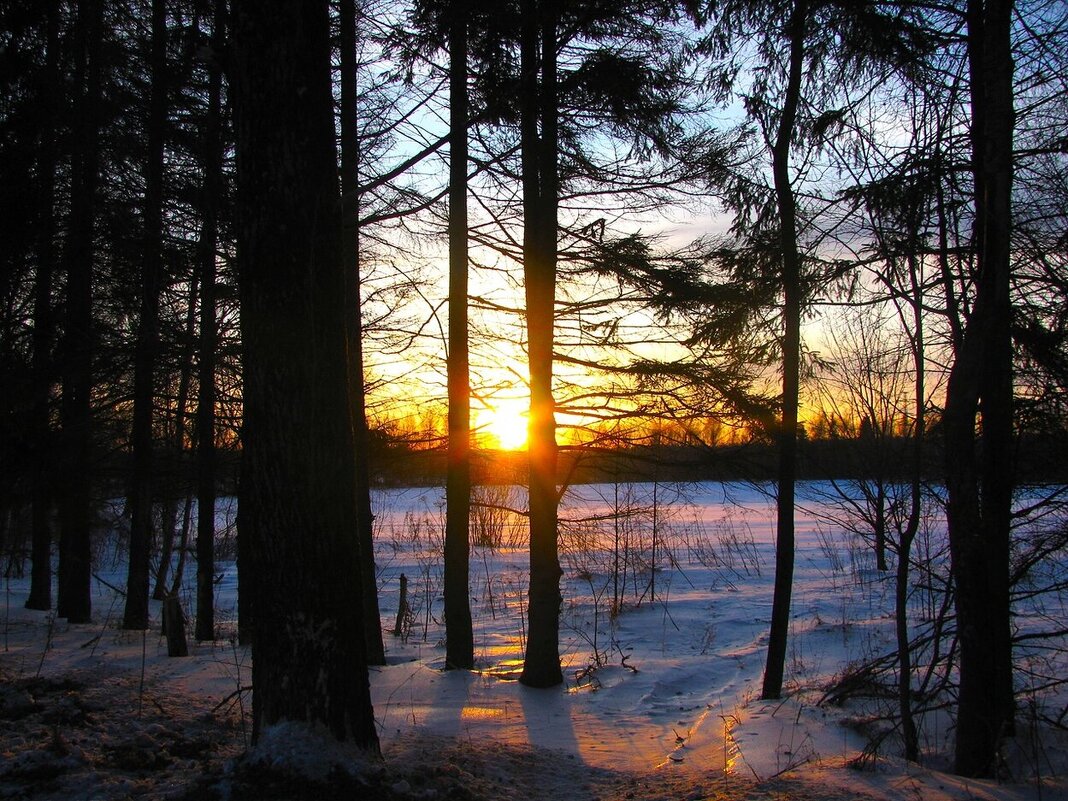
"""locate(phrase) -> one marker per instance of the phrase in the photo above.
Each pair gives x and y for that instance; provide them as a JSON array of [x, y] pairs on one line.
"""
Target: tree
[[459, 641], [538, 126], [145, 357], [209, 336], [350, 153], [792, 100], [298, 505], [791, 355], [75, 516], [980, 486], [44, 323]]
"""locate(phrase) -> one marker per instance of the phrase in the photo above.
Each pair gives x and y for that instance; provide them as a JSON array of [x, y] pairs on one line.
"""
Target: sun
[[505, 423]]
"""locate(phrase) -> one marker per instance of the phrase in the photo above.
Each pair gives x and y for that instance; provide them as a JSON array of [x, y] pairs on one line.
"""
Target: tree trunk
[[459, 639], [174, 626], [791, 356], [350, 152], [44, 331], [980, 488], [74, 598], [209, 335], [541, 666], [142, 480], [908, 536], [298, 504], [177, 439]]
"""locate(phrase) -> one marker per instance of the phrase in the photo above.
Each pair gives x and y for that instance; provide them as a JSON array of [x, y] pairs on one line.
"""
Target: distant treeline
[[1041, 459]]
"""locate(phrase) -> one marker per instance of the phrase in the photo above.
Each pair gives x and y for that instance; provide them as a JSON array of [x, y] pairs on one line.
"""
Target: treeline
[[1040, 461], [226, 230]]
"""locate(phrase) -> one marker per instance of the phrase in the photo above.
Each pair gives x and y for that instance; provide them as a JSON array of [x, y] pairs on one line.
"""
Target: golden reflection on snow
[[470, 713]]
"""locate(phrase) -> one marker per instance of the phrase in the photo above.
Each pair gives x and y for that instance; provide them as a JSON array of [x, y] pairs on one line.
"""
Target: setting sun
[[504, 423]]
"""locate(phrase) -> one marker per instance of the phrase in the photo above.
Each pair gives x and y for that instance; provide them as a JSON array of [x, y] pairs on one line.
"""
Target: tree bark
[[74, 599], [980, 486], [298, 504], [539, 105], [791, 356], [350, 153], [142, 479], [209, 336], [459, 639]]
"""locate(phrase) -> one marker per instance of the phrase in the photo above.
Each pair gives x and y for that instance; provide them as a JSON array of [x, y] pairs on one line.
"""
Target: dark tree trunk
[[169, 514], [459, 639], [541, 667], [908, 536], [350, 153], [791, 356], [245, 613], [880, 515], [74, 598], [209, 335], [980, 487], [298, 504], [44, 330], [142, 481]]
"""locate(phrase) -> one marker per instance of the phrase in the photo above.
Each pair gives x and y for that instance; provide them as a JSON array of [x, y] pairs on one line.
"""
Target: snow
[[660, 698]]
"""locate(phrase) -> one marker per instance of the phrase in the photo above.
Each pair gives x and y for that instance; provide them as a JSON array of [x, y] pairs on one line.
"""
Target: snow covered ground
[[667, 597]]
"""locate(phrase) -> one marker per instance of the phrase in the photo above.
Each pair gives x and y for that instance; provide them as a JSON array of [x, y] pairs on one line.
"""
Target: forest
[[291, 257]]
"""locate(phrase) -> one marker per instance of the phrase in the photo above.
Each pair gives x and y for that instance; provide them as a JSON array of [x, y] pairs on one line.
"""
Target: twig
[[788, 768], [48, 643], [229, 699], [110, 586], [240, 695]]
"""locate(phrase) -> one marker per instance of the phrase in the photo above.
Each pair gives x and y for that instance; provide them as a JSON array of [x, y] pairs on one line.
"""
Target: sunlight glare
[[506, 422]]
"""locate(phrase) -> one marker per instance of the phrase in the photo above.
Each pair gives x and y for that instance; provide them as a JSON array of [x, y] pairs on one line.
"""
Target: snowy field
[[667, 598]]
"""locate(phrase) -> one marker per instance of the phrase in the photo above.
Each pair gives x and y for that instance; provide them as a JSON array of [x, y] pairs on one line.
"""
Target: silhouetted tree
[[459, 642], [979, 482], [207, 253], [75, 516], [298, 504], [44, 320], [539, 127], [350, 156], [142, 479]]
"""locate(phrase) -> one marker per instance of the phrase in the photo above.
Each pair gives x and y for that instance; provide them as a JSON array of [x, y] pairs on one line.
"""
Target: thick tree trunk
[[791, 357], [298, 504], [980, 487], [541, 667], [350, 153], [44, 331], [74, 598], [209, 335], [142, 480], [459, 639]]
